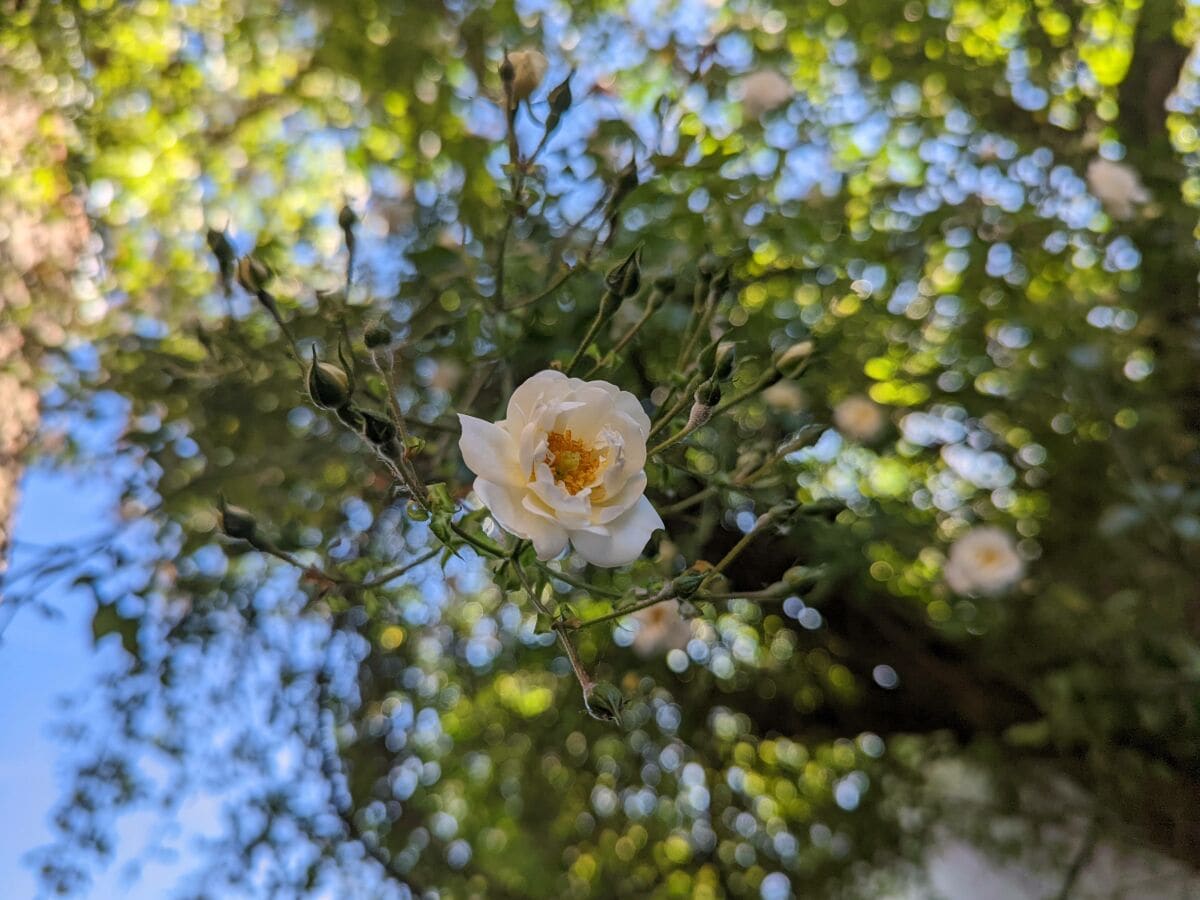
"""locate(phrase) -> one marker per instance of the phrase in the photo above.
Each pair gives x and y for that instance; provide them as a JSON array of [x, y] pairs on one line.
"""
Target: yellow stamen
[[573, 464]]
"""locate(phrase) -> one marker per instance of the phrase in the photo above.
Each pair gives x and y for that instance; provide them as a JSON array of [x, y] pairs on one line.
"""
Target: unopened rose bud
[[560, 102], [252, 274], [378, 430], [707, 396], [726, 360], [791, 362], [219, 244], [604, 702], [624, 279], [377, 336], [528, 68], [689, 582], [328, 385], [236, 522]]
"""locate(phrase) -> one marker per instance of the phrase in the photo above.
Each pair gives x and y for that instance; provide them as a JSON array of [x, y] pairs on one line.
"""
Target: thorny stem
[[601, 315], [579, 582], [560, 629], [677, 408], [609, 358], [404, 463], [395, 573], [553, 286], [710, 306], [677, 436], [483, 545], [774, 514], [337, 580]]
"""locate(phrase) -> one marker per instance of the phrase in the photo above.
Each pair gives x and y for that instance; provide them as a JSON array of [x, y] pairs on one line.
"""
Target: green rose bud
[[252, 274], [377, 336], [328, 385], [236, 522], [604, 702]]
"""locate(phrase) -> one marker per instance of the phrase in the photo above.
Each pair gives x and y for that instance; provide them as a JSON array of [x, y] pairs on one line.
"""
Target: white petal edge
[[489, 451], [628, 535], [549, 539]]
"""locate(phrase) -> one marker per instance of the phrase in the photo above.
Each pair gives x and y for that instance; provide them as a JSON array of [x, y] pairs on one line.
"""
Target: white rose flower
[[660, 628], [1117, 186], [763, 92], [859, 418], [566, 463], [984, 561]]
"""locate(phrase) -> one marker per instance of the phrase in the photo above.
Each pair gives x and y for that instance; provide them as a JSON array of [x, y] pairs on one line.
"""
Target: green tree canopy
[[975, 220]]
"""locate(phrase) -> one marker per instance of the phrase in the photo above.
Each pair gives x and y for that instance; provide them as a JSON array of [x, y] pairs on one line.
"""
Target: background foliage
[[917, 208]]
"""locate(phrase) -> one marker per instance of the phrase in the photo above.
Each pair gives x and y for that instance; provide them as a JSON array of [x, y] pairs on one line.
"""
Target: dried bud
[[377, 336], [707, 396], [604, 702], [507, 70], [236, 522], [624, 279], [252, 274], [347, 218], [377, 429], [721, 280], [528, 69], [792, 361], [328, 385]]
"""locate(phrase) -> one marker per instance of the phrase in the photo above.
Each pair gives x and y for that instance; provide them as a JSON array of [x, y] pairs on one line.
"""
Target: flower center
[[574, 465], [989, 556]]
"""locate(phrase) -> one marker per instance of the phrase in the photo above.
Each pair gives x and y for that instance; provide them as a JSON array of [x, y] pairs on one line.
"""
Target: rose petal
[[627, 538], [626, 403], [504, 504], [489, 451], [540, 388], [618, 504]]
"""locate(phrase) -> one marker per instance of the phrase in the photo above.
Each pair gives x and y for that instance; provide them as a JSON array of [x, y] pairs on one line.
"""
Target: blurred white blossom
[[660, 629], [529, 68], [859, 418], [1117, 186], [984, 561], [764, 91]]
